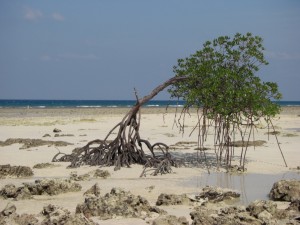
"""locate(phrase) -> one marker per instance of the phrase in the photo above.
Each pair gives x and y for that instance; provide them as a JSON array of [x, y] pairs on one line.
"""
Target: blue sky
[[103, 49]]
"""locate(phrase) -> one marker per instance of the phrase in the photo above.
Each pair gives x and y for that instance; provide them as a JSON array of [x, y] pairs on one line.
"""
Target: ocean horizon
[[17, 103]]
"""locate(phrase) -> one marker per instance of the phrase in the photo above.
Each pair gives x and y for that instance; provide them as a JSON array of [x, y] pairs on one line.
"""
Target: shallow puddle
[[250, 186]]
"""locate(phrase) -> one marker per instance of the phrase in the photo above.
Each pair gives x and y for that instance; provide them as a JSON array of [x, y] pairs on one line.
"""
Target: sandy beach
[[265, 164]]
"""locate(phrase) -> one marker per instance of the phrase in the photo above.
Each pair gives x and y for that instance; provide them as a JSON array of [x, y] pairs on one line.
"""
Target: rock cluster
[[117, 203], [29, 143], [172, 199], [15, 171], [217, 194], [39, 187], [258, 212], [98, 173], [50, 215], [170, 220], [44, 165], [285, 190]]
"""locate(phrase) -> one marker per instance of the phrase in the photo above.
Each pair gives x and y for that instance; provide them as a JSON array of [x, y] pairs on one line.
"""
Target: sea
[[4, 103]]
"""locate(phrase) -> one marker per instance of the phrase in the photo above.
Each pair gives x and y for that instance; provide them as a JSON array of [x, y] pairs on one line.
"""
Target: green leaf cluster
[[221, 79]]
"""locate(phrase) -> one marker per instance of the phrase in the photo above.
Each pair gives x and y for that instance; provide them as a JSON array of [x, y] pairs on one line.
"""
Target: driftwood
[[127, 147]]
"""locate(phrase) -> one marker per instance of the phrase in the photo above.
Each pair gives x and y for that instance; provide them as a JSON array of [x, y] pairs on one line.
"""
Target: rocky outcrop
[[94, 190], [170, 220], [8, 216], [172, 199], [40, 187], [44, 165], [225, 216], [217, 194], [285, 190], [15, 171], [50, 215], [17, 193], [101, 174], [56, 215], [117, 203], [30, 143], [259, 212]]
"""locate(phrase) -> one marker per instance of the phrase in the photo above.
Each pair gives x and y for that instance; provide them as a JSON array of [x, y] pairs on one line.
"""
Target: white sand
[[90, 124]]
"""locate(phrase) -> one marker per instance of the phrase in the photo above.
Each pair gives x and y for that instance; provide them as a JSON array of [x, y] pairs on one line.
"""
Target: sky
[[103, 49]]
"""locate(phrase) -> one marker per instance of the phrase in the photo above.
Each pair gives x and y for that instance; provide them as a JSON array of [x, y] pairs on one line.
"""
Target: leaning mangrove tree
[[220, 81]]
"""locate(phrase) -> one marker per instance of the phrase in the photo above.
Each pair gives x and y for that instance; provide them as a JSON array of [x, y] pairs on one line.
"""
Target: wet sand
[[157, 125]]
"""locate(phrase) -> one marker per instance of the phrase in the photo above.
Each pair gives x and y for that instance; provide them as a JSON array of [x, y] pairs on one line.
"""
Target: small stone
[[9, 209], [56, 130], [285, 190]]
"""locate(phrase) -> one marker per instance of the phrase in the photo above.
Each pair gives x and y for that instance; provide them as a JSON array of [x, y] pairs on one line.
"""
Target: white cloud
[[58, 17], [32, 14]]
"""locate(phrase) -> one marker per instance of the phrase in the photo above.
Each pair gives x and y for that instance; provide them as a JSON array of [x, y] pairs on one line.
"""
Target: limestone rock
[[44, 165], [15, 171], [117, 203], [11, 191], [285, 190], [52, 186], [258, 206], [94, 190], [8, 216], [217, 194], [56, 215], [75, 177], [101, 173], [9, 209], [172, 199], [170, 220], [40, 187], [227, 216]]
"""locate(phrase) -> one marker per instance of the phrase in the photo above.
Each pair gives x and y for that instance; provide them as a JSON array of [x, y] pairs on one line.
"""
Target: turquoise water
[[82, 103], [99, 103]]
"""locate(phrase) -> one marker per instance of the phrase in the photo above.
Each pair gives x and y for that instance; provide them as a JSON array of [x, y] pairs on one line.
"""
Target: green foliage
[[221, 79]]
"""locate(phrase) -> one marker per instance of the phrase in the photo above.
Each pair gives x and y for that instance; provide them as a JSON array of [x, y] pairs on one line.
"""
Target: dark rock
[[170, 220], [56, 130], [171, 199], [216, 194], [9, 191], [295, 205], [47, 135], [15, 171], [285, 190]]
